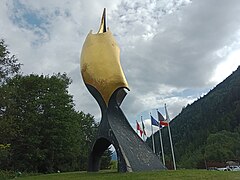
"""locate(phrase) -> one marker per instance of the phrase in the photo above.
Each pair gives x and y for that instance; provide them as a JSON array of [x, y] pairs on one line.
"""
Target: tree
[[87, 132], [4, 153], [222, 146], [216, 111], [9, 65], [39, 129], [106, 159], [38, 120]]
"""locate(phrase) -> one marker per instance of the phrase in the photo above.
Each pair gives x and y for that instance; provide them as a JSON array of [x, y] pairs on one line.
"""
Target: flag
[[161, 119], [160, 116], [160, 126], [139, 129], [154, 121], [144, 132], [164, 123]]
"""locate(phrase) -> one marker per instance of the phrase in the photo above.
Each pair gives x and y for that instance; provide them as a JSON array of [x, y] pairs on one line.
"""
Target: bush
[[7, 175], [113, 165]]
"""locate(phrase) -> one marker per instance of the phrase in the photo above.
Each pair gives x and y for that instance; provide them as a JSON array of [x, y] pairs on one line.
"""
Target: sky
[[172, 51]]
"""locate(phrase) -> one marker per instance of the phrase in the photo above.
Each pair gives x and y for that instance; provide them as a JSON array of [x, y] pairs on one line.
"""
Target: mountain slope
[[193, 129]]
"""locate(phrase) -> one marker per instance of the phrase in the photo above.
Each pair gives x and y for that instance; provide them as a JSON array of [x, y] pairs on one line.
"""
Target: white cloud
[[226, 67], [172, 51]]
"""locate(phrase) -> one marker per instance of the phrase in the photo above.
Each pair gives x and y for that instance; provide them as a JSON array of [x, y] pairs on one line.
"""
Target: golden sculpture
[[105, 80], [100, 62]]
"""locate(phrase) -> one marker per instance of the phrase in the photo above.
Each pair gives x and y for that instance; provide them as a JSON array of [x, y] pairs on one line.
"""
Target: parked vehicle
[[234, 168], [223, 169], [229, 168]]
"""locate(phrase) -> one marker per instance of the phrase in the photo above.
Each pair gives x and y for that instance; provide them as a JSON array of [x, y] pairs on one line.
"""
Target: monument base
[[132, 152]]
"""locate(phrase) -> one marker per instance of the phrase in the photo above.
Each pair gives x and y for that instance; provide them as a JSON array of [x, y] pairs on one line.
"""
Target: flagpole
[[152, 137], [160, 138], [143, 129], [170, 137]]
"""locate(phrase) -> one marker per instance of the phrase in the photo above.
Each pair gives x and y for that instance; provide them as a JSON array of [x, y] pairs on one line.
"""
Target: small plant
[[7, 175]]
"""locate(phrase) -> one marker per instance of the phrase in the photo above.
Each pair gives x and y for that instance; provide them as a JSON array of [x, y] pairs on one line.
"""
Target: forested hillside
[[208, 130]]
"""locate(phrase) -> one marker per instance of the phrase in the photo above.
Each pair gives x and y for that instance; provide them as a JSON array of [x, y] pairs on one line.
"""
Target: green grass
[[105, 175]]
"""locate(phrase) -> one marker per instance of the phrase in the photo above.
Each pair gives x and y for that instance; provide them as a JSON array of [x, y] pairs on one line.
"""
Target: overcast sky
[[172, 51]]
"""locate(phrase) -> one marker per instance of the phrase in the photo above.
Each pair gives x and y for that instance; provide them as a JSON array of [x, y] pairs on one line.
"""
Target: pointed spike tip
[[103, 25]]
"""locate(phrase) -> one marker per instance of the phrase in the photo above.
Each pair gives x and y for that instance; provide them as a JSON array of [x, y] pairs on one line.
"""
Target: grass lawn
[[105, 175]]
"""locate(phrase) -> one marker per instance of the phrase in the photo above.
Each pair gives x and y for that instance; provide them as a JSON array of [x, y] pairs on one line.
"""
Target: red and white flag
[[139, 129]]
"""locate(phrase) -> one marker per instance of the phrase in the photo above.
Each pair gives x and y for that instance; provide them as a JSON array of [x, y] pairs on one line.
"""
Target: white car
[[234, 168], [223, 169]]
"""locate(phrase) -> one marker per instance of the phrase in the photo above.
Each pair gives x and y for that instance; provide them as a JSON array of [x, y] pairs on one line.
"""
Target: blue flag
[[154, 122]]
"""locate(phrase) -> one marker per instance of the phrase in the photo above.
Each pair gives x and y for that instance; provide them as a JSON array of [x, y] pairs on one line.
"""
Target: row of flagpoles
[[162, 122]]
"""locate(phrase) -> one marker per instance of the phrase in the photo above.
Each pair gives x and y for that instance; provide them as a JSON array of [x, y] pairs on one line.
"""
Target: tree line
[[40, 131]]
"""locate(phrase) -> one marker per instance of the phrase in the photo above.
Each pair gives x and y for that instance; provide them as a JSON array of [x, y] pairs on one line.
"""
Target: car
[[234, 168], [223, 169]]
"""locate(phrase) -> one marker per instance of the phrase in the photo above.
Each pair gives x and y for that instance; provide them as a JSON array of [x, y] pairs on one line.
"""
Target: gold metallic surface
[[100, 63], [102, 28]]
